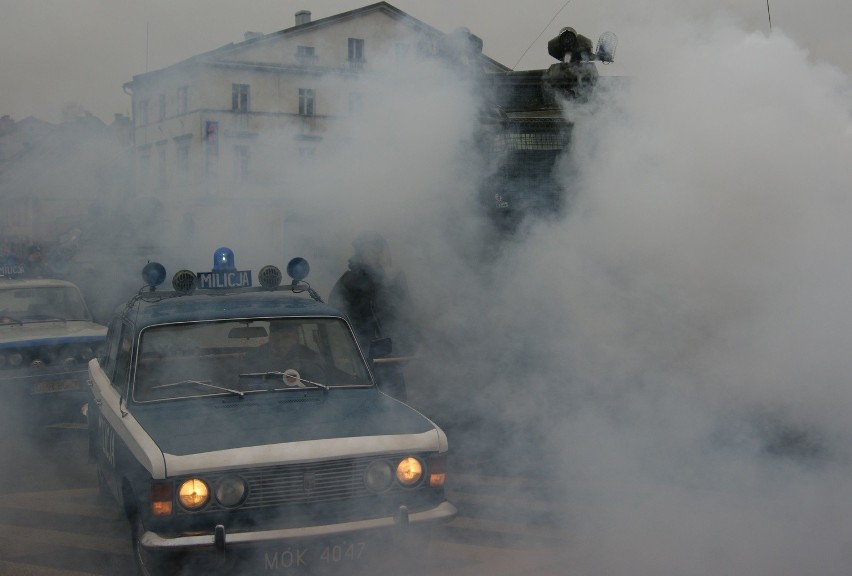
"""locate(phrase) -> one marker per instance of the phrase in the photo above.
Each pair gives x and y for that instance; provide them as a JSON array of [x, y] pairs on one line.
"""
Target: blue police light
[[223, 260], [298, 269], [153, 274]]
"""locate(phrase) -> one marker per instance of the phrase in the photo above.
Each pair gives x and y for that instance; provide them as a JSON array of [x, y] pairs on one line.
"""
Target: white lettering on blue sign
[[11, 269], [235, 279]]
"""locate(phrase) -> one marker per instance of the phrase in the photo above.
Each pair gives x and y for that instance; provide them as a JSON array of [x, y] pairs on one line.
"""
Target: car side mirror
[[380, 347]]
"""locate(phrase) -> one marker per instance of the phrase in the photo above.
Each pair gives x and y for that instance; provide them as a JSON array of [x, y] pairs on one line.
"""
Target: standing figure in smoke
[[35, 266], [377, 306]]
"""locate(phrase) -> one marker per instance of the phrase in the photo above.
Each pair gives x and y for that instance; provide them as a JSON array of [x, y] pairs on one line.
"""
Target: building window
[[143, 112], [240, 97], [211, 146], [161, 167], [183, 156], [307, 97], [241, 162], [183, 99], [356, 51], [162, 107], [145, 167], [306, 55]]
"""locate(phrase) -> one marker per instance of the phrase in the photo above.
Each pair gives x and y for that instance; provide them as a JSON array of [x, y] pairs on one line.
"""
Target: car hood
[[50, 333], [270, 428]]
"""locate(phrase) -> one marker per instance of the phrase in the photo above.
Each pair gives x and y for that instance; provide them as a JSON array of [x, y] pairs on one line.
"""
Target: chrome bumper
[[218, 539]]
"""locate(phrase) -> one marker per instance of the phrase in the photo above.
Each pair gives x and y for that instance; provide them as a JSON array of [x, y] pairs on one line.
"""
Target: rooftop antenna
[[769, 14], [542, 32]]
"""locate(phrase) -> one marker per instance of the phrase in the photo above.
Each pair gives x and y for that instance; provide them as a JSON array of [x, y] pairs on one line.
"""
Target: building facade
[[210, 129]]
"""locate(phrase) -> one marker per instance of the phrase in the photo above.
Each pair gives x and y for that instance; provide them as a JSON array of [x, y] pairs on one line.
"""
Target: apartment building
[[203, 128]]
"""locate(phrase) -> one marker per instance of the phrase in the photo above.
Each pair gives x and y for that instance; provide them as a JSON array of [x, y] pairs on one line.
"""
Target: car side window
[[108, 360], [122, 360]]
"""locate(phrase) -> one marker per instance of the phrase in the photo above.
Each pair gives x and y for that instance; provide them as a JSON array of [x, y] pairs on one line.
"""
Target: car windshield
[[42, 303], [240, 357]]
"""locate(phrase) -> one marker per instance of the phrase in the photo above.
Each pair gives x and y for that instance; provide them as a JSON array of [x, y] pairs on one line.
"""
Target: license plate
[[52, 386], [287, 559]]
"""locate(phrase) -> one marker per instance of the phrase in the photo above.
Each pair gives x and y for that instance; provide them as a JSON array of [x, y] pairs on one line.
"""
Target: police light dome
[[153, 274], [298, 269], [223, 260]]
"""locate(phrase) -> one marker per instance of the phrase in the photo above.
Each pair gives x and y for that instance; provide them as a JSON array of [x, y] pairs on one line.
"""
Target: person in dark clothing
[[35, 266], [377, 306]]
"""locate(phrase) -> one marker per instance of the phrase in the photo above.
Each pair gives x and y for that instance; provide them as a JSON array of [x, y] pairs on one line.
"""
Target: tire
[[146, 564], [143, 566]]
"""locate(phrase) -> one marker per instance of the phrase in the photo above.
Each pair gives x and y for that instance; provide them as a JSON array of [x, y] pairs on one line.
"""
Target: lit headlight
[[231, 491], [15, 359], [193, 494], [378, 476], [409, 471]]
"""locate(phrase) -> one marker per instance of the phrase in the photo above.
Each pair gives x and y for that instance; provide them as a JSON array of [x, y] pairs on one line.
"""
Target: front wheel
[[146, 564]]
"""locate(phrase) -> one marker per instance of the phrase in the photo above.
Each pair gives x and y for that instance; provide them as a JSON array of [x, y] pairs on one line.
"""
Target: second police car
[[47, 336], [243, 425]]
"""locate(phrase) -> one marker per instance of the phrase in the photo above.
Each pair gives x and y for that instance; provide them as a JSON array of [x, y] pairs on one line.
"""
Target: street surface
[[52, 522]]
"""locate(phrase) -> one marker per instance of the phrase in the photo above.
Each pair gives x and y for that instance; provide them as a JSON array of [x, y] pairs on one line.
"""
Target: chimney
[[303, 17]]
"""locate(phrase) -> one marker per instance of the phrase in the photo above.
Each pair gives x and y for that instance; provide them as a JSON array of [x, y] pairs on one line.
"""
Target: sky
[[674, 349], [77, 54]]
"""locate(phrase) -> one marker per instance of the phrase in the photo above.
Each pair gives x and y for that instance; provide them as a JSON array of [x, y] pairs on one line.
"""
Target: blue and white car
[[224, 452], [47, 337]]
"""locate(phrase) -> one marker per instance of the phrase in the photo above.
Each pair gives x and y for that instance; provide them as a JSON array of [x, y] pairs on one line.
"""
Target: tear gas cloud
[[672, 350], [677, 342]]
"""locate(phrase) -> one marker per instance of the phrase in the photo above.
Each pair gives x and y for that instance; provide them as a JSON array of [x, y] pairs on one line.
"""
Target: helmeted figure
[[35, 266], [377, 305]]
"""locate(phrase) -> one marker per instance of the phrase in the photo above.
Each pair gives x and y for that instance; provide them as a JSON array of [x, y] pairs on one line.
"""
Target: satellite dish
[[605, 51]]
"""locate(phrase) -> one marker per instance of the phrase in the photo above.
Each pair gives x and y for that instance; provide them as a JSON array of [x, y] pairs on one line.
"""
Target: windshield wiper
[[283, 376], [200, 383], [317, 384]]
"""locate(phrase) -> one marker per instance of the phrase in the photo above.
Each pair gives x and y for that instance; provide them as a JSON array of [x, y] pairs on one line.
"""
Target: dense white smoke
[[673, 352], [678, 343]]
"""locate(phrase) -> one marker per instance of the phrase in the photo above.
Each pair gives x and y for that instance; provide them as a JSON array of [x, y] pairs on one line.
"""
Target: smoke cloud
[[673, 350], [671, 354]]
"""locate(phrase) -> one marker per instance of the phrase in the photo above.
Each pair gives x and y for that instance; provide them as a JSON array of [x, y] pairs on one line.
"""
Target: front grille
[[316, 483], [70, 357]]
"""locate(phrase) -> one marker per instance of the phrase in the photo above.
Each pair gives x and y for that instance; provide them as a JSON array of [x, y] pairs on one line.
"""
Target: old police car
[[47, 337], [241, 424]]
